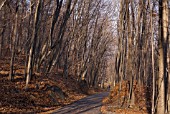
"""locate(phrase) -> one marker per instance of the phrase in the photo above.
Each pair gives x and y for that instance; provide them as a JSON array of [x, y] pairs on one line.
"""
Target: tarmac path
[[88, 105]]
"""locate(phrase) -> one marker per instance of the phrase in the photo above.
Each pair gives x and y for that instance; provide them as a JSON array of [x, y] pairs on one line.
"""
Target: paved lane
[[88, 105]]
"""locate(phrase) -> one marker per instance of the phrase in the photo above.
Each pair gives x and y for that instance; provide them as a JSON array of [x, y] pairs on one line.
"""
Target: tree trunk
[[33, 43], [54, 20], [11, 73], [153, 61], [2, 4], [162, 55], [168, 61]]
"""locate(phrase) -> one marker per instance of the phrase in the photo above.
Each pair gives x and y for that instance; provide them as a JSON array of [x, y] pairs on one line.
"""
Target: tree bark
[[11, 73], [153, 61], [33, 43], [2, 4], [162, 53]]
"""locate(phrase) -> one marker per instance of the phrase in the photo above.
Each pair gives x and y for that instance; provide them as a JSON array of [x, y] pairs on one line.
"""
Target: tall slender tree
[[162, 45], [13, 42], [33, 43]]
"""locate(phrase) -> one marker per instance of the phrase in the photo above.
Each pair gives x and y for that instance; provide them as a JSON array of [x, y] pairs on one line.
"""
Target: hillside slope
[[117, 101], [44, 93]]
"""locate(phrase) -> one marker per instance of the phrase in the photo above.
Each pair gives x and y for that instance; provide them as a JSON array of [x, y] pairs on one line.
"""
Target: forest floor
[[43, 94], [117, 100]]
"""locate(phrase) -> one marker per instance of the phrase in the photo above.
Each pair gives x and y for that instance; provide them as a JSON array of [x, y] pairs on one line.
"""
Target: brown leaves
[[14, 98], [117, 101]]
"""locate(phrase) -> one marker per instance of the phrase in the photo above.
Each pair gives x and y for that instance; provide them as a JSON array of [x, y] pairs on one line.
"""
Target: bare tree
[[33, 42], [13, 43], [162, 61]]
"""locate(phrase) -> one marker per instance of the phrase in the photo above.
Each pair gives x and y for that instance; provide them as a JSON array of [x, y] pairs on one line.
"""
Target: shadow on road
[[88, 105]]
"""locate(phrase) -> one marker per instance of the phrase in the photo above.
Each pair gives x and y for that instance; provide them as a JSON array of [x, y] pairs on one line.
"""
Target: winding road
[[88, 105]]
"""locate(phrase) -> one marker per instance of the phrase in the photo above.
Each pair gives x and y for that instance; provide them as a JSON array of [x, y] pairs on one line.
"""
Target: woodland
[[55, 52]]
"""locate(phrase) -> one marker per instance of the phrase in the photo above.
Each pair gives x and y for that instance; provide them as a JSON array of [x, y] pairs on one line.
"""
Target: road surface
[[88, 105]]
